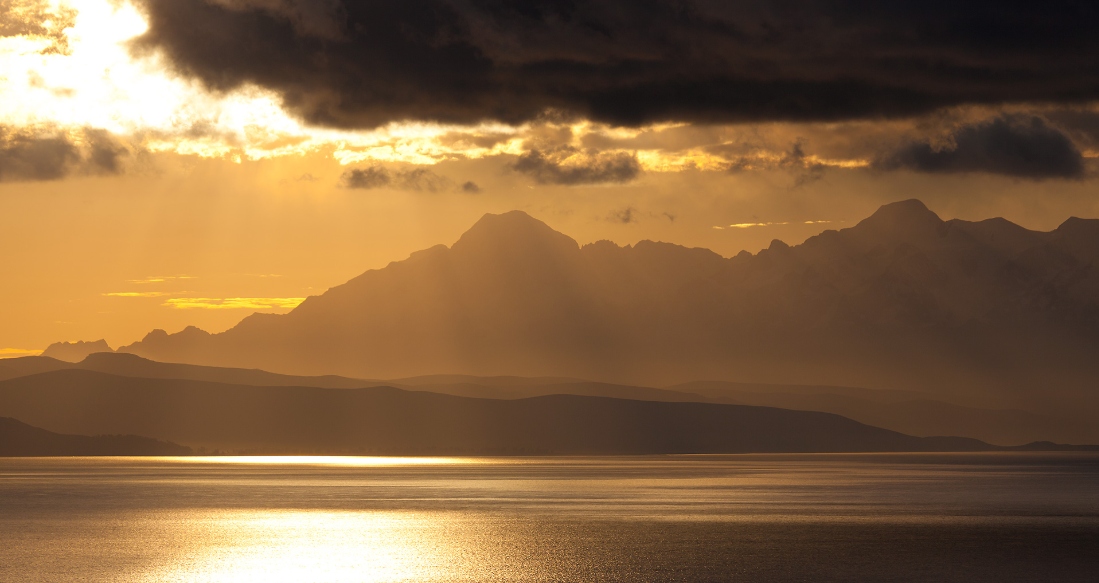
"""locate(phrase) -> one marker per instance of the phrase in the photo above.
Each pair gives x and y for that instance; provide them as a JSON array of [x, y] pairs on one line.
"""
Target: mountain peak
[[1080, 236], [1076, 225], [99, 358], [902, 217], [75, 351], [905, 210], [514, 229]]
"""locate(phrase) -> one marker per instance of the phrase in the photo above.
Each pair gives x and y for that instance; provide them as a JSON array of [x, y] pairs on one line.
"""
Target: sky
[[166, 163]]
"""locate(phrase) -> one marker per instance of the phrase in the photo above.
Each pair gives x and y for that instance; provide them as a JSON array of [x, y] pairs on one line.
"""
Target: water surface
[[910, 517]]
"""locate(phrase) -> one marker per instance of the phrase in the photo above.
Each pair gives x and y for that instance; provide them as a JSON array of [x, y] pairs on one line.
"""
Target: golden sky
[[133, 196]]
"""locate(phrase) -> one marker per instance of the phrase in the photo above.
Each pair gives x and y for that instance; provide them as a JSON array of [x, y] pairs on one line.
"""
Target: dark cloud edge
[[1013, 145], [632, 62]]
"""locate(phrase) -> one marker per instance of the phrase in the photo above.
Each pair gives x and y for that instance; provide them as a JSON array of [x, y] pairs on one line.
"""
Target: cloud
[[104, 153], [768, 224], [16, 352], [421, 180], [415, 179], [1082, 125], [147, 294], [232, 303], [24, 156], [1019, 146], [39, 19], [630, 62], [806, 168], [30, 155], [310, 18], [571, 166], [470, 187], [160, 278], [750, 225], [624, 216], [366, 178]]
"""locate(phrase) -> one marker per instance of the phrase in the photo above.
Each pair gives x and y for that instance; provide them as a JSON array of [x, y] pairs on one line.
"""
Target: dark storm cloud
[[29, 156], [1081, 124], [1020, 146], [570, 166], [416, 179], [362, 64]]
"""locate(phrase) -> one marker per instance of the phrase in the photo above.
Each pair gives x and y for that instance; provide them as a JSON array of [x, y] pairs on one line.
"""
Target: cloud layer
[[28, 155], [571, 166], [629, 62], [1024, 147], [414, 179], [37, 19]]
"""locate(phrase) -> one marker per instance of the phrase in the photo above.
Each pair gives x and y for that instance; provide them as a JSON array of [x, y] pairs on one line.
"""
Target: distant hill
[[134, 366], [386, 420], [75, 351], [984, 314], [18, 439], [21, 366], [908, 412], [905, 411], [131, 365]]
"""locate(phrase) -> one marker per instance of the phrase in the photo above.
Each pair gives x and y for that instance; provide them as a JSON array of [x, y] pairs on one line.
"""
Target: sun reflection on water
[[305, 546], [329, 460]]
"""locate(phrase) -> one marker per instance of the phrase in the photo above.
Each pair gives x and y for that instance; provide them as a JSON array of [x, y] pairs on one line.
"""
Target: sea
[[995, 517]]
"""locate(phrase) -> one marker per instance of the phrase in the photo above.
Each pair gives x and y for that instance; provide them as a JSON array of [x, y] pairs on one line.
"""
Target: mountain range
[[75, 351], [906, 412], [384, 420], [982, 314]]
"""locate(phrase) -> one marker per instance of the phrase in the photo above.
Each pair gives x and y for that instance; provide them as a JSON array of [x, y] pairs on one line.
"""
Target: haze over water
[[914, 517]]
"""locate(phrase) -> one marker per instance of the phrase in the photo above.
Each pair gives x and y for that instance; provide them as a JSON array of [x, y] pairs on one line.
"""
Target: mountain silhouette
[[75, 351], [387, 420], [17, 439], [909, 412], [983, 313]]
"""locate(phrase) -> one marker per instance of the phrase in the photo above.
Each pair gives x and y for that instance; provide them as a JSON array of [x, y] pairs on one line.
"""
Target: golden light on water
[[312, 545], [330, 460], [294, 546]]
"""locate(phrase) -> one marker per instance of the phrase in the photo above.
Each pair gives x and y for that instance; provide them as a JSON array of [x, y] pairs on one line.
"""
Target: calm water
[[987, 517]]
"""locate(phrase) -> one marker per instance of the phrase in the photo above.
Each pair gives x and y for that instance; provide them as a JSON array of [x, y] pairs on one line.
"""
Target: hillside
[[386, 420], [908, 412], [131, 365], [18, 439]]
